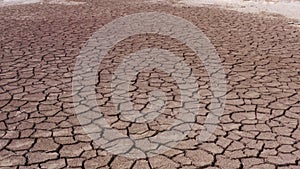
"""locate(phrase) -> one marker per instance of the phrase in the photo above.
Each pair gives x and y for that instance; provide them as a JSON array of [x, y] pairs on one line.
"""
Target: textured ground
[[38, 128]]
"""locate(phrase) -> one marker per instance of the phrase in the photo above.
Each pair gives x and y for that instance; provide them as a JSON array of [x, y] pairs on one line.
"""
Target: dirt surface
[[38, 127]]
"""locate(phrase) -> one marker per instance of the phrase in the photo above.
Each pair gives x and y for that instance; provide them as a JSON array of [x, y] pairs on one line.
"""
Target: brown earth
[[39, 46]]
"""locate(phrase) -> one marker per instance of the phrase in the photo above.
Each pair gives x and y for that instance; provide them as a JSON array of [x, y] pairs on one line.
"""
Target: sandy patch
[[287, 8]]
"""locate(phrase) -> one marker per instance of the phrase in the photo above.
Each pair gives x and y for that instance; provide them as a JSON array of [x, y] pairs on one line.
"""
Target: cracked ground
[[38, 126]]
